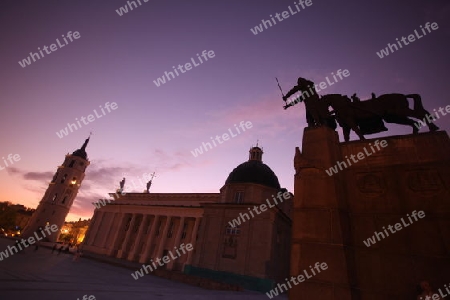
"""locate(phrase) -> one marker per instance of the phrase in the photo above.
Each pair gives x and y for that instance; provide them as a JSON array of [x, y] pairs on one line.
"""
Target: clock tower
[[60, 194]]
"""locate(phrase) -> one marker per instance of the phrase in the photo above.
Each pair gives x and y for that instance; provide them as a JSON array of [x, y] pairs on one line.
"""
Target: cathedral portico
[[145, 227]]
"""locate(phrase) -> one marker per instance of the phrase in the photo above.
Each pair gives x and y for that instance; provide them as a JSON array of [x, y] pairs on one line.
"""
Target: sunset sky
[[117, 58]]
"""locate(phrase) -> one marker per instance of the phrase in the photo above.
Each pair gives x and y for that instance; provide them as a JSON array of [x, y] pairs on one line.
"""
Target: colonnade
[[140, 237]]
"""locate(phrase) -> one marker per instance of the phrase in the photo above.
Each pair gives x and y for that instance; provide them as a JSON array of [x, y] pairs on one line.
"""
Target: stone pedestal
[[334, 215]]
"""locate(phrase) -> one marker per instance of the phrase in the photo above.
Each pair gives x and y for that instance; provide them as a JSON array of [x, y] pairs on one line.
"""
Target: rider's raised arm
[[294, 90]]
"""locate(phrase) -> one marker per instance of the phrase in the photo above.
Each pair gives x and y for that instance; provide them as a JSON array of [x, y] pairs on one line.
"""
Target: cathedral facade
[[253, 253]]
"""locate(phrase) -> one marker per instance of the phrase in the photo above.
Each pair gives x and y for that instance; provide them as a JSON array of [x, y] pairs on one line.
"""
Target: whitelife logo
[[16, 158], [90, 118], [398, 227], [411, 38], [300, 96], [285, 14], [31, 241], [274, 292], [161, 80], [360, 155], [85, 297], [27, 61], [140, 273], [431, 118], [123, 10], [237, 221], [225, 137]]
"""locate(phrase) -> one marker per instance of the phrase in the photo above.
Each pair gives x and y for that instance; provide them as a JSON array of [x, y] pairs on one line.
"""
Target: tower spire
[[82, 151], [86, 142]]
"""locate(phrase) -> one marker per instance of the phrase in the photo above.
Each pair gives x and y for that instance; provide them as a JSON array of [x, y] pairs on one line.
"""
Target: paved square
[[43, 275]]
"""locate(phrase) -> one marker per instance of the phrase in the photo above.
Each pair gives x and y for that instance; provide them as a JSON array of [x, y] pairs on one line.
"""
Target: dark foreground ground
[[42, 275]]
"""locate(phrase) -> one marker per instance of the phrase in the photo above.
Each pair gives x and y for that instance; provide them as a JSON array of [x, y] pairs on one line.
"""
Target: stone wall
[[334, 215]]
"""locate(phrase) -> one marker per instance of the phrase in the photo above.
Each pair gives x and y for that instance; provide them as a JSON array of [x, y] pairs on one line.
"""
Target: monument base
[[336, 215]]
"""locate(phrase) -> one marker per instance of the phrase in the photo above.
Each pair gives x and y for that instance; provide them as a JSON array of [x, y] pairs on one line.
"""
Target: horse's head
[[304, 84], [335, 100]]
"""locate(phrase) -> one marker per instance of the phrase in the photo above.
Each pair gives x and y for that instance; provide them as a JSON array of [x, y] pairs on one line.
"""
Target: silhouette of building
[[60, 194], [142, 227]]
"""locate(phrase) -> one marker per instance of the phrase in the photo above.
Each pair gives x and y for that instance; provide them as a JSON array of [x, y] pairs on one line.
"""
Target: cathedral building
[[60, 194], [253, 253]]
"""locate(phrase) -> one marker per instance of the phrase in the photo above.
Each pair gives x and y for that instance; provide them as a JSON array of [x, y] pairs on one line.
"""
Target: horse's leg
[[431, 125], [358, 132], [346, 132], [352, 124], [422, 115], [309, 119], [403, 121], [419, 112]]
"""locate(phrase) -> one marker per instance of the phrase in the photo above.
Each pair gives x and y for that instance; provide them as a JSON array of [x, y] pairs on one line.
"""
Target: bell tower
[[60, 194]]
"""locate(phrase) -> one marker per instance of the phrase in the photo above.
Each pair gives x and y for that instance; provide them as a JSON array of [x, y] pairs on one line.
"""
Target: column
[[145, 254], [123, 248], [163, 239], [140, 234], [95, 222], [87, 238], [177, 241], [108, 224], [120, 222], [193, 241]]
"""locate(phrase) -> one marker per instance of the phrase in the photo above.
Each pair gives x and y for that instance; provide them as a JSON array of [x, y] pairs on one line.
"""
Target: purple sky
[[155, 128]]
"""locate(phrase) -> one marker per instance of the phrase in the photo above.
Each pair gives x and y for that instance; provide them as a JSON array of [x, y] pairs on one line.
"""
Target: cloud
[[13, 171], [38, 176]]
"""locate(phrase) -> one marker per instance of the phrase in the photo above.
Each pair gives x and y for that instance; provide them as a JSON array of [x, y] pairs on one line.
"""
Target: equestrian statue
[[363, 117]]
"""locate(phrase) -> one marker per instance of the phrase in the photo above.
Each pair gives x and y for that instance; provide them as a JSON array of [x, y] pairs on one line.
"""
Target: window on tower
[[64, 200], [54, 198], [71, 164], [54, 177], [64, 178]]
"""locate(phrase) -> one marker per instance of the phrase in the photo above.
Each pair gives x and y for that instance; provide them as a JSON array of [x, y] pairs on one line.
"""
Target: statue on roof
[[122, 183]]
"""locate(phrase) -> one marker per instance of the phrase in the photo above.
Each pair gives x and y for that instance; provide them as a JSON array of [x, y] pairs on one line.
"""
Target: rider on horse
[[316, 112]]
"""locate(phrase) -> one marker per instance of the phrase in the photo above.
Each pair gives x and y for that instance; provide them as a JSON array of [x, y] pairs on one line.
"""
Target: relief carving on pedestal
[[426, 182], [372, 184]]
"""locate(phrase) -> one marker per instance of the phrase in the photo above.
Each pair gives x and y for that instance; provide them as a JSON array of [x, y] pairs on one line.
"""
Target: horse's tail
[[417, 101]]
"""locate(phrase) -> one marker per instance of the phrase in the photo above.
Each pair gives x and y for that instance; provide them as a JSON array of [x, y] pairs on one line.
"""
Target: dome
[[254, 171]]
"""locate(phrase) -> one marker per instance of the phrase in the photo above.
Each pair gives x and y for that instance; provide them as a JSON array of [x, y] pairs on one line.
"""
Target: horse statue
[[366, 117], [363, 117]]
